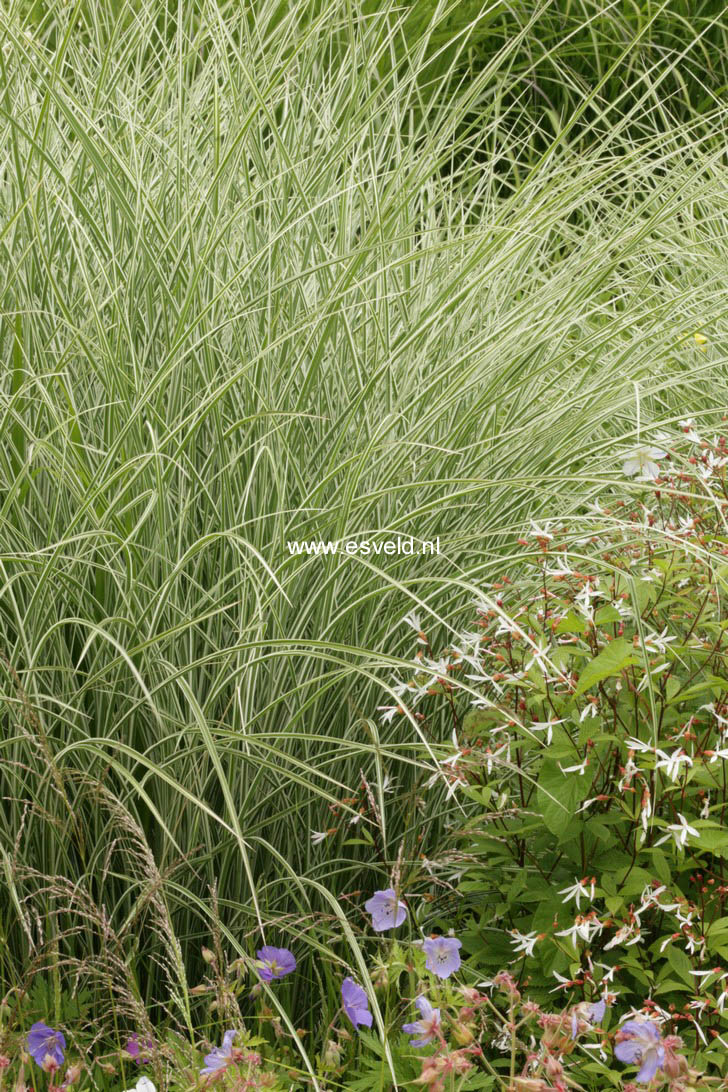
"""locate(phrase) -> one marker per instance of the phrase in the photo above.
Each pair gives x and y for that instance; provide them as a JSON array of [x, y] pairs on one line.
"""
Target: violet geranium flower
[[275, 963], [386, 909], [139, 1049], [443, 957], [356, 1003], [640, 1041], [219, 1057], [46, 1046], [428, 1028]]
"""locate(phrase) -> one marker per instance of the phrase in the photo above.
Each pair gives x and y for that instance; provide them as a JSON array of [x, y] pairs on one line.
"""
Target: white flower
[[678, 831], [143, 1085], [689, 428], [586, 927], [546, 726], [491, 755], [580, 887], [524, 942], [580, 769], [608, 972], [630, 771], [637, 745], [620, 937], [658, 641], [439, 668], [643, 463], [650, 675], [539, 532], [561, 568], [671, 763], [413, 620], [721, 720], [318, 836], [588, 592], [540, 650], [588, 803], [645, 810]]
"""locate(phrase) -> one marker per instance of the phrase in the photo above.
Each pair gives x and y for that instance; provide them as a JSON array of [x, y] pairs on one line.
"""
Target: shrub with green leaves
[[595, 749]]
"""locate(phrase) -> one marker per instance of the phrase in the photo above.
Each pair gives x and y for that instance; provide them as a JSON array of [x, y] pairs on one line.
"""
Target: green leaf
[[611, 661], [679, 962], [559, 795], [571, 623]]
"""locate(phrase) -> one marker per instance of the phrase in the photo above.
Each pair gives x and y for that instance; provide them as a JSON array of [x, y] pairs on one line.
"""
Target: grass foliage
[[291, 272]]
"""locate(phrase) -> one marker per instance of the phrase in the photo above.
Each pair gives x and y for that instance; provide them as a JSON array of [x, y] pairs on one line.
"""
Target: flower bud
[[505, 981], [553, 1066], [4, 1061], [675, 1065], [331, 1055], [208, 955], [381, 979], [73, 1073], [461, 1033]]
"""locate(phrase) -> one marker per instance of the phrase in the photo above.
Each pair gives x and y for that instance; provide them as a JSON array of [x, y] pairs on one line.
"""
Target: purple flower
[[138, 1049], [443, 957], [275, 963], [386, 909], [356, 1004], [219, 1057], [428, 1028], [640, 1041], [46, 1046]]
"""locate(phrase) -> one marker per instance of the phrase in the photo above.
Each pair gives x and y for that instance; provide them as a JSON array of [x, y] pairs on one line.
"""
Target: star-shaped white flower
[[642, 463], [678, 831], [581, 887]]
